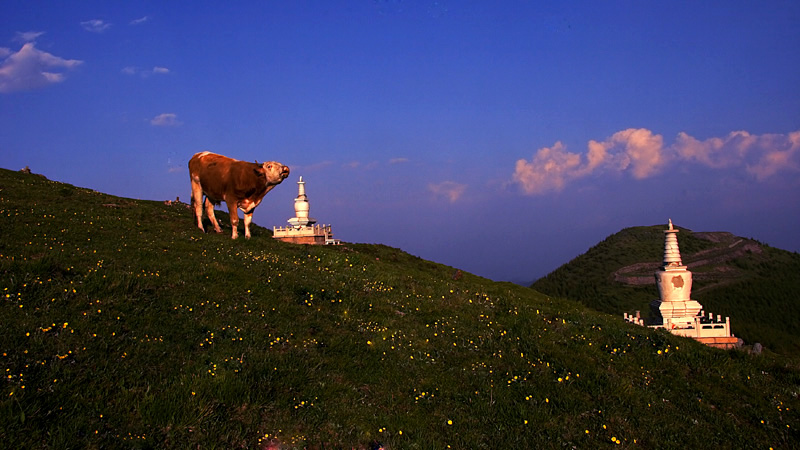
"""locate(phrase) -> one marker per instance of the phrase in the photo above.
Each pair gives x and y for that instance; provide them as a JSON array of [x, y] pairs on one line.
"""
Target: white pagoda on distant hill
[[303, 229], [675, 311]]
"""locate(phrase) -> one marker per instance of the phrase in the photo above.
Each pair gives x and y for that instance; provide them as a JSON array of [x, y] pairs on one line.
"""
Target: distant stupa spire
[[672, 254], [301, 207]]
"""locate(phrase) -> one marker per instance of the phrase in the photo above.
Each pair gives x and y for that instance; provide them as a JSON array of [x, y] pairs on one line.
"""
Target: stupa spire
[[301, 188], [301, 207], [672, 253]]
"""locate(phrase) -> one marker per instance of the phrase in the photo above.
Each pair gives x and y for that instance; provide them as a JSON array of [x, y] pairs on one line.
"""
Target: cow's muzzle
[[285, 172]]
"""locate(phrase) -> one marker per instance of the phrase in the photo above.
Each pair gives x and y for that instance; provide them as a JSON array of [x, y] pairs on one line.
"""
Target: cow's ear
[[259, 173]]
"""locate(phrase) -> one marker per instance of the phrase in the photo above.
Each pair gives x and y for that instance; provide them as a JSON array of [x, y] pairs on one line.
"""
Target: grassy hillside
[[125, 327], [754, 284]]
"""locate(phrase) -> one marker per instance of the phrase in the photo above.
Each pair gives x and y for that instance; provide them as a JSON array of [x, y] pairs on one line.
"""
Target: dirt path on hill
[[710, 265]]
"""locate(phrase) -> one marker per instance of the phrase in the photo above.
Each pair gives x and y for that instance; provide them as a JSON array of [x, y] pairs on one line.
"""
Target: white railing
[[325, 231], [699, 327]]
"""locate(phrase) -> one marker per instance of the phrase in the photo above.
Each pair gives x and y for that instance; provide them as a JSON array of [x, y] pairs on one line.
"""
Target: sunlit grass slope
[[756, 285], [125, 327]]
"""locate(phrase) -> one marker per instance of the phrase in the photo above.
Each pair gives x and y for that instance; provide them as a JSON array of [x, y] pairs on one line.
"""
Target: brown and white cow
[[240, 184]]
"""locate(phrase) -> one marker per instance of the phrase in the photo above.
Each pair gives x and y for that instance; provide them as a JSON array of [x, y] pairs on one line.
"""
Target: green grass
[[125, 327]]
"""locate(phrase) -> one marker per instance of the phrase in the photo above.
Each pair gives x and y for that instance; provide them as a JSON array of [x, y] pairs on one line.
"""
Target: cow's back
[[205, 165]]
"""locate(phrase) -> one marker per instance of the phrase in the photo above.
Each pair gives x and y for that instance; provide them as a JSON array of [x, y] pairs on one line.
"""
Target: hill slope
[[754, 284], [123, 326]]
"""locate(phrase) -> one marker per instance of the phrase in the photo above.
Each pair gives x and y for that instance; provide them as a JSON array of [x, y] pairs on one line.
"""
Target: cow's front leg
[[211, 216], [248, 217], [234, 219]]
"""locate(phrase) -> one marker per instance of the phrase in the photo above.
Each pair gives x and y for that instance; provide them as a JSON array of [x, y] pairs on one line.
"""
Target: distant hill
[[756, 285], [123, 326]]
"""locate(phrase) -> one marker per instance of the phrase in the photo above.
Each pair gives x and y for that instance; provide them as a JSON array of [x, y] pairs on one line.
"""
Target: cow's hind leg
[[211, 216], [248, 218], [197, 204], [234, 213]]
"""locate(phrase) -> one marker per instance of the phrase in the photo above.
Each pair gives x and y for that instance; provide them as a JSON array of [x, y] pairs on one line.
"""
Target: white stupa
[[301, 207], [675, 310], [303, 229], [674, 281]]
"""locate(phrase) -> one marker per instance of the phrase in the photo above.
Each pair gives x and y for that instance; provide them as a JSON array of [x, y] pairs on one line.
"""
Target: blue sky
[[502, 138]]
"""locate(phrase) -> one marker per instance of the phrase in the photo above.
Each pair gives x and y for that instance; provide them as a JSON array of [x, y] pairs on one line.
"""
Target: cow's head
[[275, 172]]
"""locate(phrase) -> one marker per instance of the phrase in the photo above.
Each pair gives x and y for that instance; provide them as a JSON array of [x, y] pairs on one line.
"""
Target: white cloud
[[637, 149], [311, 167], [30, 68], [373, 164], [643, 154], [5, 51], [778, 153], [140, 20], [549, 169], [144, 73], [450, 190], [714, 152], [95, 25], [762, 156], [166, 120], [359, 165], [28, 36]]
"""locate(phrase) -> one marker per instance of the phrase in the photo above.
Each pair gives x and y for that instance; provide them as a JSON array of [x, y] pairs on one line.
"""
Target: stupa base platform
[[310, 235], [710, 330], [720, 342]]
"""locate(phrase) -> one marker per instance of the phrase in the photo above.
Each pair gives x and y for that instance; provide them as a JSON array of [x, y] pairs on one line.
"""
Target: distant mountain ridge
[[754, 284]]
